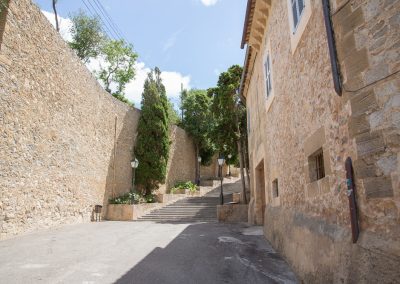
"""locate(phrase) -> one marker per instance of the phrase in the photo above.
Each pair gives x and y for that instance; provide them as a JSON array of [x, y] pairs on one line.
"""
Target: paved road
[[143, 252]]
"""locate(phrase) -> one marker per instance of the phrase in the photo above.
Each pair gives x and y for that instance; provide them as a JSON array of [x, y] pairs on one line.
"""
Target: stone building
[[319, 88]]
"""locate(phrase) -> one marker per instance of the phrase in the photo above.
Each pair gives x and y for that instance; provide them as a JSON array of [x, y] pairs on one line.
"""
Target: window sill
[[318, 187], [296, 34], [269, 102], [276, 201]]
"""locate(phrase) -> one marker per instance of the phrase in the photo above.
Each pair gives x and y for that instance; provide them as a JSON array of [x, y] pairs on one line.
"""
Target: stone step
[[181, 214], [190, 209], [177, 219]]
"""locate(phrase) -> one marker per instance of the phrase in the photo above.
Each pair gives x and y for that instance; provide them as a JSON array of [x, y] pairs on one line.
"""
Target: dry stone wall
[[65, 143], [57, 135]]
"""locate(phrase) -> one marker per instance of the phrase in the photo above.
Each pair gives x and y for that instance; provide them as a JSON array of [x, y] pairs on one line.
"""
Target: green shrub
[[150, 198], [133, 198], [184, 185], [127, 198]]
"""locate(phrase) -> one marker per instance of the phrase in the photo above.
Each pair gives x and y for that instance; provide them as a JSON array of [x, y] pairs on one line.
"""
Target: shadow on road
[[212, 253]]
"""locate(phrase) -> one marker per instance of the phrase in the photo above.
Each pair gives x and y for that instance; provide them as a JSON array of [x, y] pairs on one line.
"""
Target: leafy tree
[[172, 114], [87, 36], [197, 121], [152, 147], [119, 68], [229, 116]]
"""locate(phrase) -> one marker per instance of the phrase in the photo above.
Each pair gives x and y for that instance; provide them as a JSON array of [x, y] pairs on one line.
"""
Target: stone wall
[[308, 221], [182, 159], [58, 135], [65, 143]]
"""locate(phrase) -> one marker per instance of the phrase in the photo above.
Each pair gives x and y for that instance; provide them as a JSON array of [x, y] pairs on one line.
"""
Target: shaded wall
[[182, 159]]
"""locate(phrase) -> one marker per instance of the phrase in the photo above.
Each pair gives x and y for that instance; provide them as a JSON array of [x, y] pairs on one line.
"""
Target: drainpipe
[[332, 47]]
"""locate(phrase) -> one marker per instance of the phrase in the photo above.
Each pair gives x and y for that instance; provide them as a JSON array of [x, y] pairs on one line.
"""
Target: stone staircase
[[187, 210]]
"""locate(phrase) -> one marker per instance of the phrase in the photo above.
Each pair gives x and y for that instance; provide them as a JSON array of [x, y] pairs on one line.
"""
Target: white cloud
[[65, 25], [171, 41], [209, 2], [172, 80]]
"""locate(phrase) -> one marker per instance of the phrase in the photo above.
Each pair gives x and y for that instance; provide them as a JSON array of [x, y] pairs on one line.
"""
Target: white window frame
[[248, 120], [299, 13], [297, 29], [268, 74]]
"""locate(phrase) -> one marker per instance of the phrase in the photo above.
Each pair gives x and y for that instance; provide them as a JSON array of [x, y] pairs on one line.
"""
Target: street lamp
[[229, 165], [134, 165], [198, 178], [221, 161]]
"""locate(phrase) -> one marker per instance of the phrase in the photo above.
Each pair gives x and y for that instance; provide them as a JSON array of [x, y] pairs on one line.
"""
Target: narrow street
[[199, 250]]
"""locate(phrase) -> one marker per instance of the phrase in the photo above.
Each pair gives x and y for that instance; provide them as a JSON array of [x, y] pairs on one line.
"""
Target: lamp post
[[198, 178], [221, 161], [229, 165], [134, 165]]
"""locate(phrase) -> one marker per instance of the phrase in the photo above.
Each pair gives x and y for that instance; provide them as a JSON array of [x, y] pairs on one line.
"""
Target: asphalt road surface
[[143, 252]]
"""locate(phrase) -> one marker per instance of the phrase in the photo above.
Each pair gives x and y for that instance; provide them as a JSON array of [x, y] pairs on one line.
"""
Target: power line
[[104, 19], [96, 15], [108, 18]]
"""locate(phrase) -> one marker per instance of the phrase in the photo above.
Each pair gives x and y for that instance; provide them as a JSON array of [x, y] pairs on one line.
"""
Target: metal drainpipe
[[332, 47]]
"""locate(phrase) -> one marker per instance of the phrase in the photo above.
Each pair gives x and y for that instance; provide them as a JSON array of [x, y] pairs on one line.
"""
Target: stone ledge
[[127, 212], [232, 213]]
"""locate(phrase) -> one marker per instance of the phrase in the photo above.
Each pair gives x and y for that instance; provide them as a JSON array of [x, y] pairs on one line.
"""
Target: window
[[275, 189], [268, 85], [248, 120], [3, 15], [316, 165], [297, 11]]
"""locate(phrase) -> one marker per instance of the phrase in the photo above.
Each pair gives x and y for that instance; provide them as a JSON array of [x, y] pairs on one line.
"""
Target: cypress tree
[[152, 147]]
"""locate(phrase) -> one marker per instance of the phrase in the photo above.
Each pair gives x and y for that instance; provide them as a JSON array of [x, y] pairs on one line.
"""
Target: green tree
[[119, 69], [197, 121], [172, 114], [229, 132], [87, 36], [152, 147]]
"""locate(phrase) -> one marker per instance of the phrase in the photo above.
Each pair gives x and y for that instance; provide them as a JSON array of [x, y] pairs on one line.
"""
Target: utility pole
[[55, 15]]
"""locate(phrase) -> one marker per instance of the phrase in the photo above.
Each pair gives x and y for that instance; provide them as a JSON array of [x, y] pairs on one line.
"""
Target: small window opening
[[297, 11], [316, 165], [248, 120], [3, 16], [275, 189], [268, 84]]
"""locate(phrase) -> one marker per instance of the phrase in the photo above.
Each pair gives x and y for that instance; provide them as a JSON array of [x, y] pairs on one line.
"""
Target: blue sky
[[191, 41]]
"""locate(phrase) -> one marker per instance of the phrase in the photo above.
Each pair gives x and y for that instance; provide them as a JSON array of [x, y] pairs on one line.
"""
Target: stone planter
[[127, 212], [180, 191], [235, 197], [232, 213], [210, 182]]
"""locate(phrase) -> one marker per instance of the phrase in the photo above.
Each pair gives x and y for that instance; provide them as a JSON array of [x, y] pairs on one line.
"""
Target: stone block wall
[[308, 221], [59, 130], [182, 159], [367, 34], [65, 143]]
